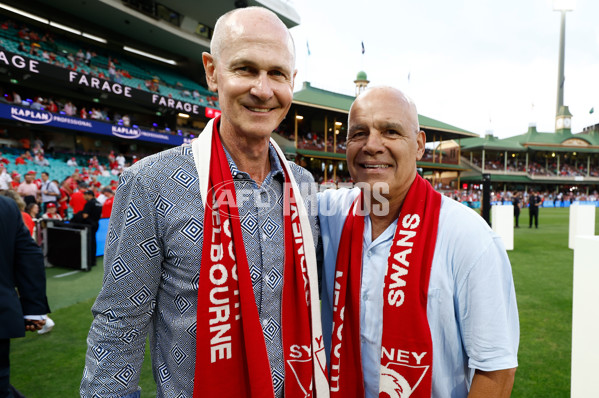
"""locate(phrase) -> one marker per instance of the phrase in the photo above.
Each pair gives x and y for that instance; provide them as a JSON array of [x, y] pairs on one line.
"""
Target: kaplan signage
[[27, 115], [26, 64], [126, 132], [30, 115]]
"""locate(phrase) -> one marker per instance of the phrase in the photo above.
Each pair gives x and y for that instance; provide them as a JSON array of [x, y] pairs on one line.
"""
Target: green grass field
[[49, 366]]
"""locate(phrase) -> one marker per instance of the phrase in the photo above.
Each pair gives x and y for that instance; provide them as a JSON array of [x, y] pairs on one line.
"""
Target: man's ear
[[421, 140], [293, 79], [210, 68]]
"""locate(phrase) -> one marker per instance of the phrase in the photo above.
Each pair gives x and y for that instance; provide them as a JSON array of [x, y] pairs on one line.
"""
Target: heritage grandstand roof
[[563, 141], [324, 99]]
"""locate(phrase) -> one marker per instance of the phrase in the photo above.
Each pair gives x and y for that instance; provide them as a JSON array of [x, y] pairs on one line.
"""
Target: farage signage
[[29, 65]]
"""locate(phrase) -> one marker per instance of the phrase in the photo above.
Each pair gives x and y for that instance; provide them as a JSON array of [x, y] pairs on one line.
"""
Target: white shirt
[[5, 180], [471, 306]]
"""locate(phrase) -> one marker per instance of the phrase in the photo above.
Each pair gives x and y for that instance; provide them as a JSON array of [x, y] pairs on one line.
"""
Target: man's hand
[[34, 325], [495, 384]]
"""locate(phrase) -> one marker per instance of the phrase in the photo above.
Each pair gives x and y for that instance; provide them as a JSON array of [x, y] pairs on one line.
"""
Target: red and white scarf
[[407, 348], [231, 357]]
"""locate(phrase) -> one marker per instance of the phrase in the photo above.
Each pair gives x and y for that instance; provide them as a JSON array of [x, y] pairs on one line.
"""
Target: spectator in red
[[20, 160], [77, 201], [52, 212], [70, 184], [63, 202], [28, 221], [107, 206], [16, 180], [52, 107]]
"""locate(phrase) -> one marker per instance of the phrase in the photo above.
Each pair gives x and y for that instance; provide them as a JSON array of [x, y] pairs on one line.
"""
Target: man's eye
[[277, 73], [357, 134]]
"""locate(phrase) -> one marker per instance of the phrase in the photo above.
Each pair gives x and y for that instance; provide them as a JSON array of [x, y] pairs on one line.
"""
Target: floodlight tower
[[563, 6]]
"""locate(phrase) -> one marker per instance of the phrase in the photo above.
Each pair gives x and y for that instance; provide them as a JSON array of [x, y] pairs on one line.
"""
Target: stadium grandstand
[[126, 76], [92, 80]]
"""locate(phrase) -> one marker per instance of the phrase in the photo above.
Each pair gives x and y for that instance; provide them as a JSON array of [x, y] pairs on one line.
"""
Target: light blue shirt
[[471, 307]]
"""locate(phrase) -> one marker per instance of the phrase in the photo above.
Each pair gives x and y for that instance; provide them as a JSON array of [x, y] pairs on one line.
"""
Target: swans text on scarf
[[400, 262], [220, 300]]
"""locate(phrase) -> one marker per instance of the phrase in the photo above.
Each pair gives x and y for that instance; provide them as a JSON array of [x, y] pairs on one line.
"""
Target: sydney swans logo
[[395, 385]]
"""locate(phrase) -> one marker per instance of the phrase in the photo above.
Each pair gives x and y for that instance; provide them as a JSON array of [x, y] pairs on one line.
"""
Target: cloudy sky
[[477, 64]]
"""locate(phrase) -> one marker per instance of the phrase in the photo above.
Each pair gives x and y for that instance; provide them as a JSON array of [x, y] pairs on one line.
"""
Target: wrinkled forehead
[[384, 110]]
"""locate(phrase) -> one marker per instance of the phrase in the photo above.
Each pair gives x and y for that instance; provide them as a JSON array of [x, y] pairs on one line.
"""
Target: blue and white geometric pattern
[[152, 264], [193, 230], [178, 354], [163, 374], [133, 215], [150, 247], [270, 227], [100, 353], [184, 178], [163, 206], [278, 379], [182, 304], [120, 269], [125, 375], [274, 278], [130, 335], [271, 328], [141, 296]]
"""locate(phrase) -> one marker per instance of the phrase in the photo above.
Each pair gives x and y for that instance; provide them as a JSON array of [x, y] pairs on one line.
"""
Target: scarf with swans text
[[407, 348]]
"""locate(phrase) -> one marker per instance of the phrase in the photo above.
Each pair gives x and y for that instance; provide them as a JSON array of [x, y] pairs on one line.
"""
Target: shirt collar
[[276, 169]]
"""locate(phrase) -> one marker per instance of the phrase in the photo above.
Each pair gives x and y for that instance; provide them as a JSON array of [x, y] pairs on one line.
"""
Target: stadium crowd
[[58, 50], [567, 167]]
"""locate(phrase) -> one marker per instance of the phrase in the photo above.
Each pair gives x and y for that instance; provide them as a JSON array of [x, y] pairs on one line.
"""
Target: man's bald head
[[234, 23], [404, 104]]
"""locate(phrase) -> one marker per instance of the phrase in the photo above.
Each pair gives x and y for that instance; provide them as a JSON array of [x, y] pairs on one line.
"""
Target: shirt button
[[369, 253], [265, 322]]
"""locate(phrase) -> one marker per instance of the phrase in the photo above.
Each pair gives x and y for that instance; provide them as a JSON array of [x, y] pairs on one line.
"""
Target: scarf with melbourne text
[[231, 356], [407, 348]]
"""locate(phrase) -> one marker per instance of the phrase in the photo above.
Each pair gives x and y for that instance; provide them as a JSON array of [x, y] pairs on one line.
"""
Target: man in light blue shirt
[[471, 307]]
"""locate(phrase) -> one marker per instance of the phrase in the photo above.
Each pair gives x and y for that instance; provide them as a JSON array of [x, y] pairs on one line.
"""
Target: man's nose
[[261, 87], [374, 143]]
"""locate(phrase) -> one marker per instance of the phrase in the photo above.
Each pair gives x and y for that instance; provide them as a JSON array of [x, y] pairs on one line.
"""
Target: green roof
[[490, 142], [442, 166], [321, 154], [496, 178], [533, 139], [319, 98]]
